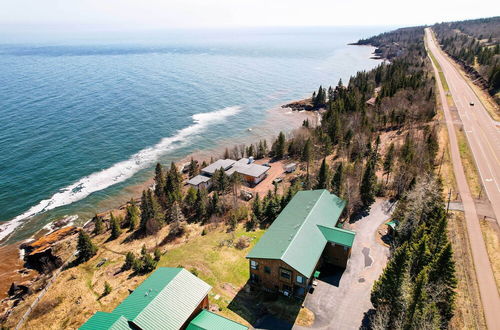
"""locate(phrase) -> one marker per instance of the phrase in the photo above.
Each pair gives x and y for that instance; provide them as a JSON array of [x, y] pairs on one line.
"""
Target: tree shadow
[[366, 322], [265, 310], [359, 215]]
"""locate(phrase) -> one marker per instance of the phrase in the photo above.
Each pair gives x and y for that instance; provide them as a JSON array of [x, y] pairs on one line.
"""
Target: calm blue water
[[82, 121]]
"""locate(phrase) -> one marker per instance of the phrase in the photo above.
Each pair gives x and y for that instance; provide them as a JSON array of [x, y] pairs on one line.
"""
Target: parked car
[[277, 180], [246, 195], [266, 164], [471, 104]]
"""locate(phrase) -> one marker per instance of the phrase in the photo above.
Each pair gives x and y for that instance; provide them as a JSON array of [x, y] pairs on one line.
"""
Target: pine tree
[[201, 205], [367, 187], [157, 254], [86, 249], [388, 289], [173, 185], [323, 175], [418, 299], [175, 214], [442, 277], [280, 146], [115, 227], [220, 181], [338, 180], [160, 185], [257, 208], [129, 261], [107, 289], [215, 207], [98, 226], [388, 161], [194, 168], [132, 216], [189, 203]]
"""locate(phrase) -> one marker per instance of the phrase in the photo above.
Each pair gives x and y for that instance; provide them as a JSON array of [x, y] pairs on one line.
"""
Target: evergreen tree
[[107, 289], [257, 208], [151, 223], [157, 254], [194, 168], [115, 227], [175, 214], [132, 216], [388, 161], [388, 289], [129, 261], [215, 207], [220, 181], [173, 185], [367, 187], [201, 205], [323, 175], [189, 203], [418, 299], [86, 249], [160, 185], [443, 279], [98, 226], [338, 179], [280, 146]]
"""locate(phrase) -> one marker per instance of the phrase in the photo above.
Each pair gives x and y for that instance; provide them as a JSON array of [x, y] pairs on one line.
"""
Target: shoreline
[[277, 118]]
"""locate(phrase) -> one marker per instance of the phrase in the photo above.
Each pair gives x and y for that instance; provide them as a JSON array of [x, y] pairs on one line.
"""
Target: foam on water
[[121, 171]]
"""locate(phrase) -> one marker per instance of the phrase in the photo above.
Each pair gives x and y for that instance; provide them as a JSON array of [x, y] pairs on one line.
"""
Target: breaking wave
[[121, 171]]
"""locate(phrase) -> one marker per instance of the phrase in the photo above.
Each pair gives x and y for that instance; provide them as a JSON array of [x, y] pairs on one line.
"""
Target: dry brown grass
[[468, 308], [468, 163], [305, 318], [491, 235]]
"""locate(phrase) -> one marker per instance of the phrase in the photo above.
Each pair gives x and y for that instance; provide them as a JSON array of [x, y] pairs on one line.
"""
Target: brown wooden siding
[[273, 281], [336, 255], [203, 305]]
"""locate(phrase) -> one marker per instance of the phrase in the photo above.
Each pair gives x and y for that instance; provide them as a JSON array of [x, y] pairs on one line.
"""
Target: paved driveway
[[340, 300]]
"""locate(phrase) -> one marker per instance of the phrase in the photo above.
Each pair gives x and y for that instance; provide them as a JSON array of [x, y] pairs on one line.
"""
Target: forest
[[476, 45]]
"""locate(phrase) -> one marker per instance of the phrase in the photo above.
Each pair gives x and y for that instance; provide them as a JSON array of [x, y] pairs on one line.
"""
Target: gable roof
[[198, 179], [338, 235], [254, 170], [102, 320], [210, 321], [165, 300], [294, 237], [224, 163]]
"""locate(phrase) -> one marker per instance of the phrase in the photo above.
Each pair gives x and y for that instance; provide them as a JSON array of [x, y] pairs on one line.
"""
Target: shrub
[[157, 254], [242, 243], [107, 289], [129, 261]]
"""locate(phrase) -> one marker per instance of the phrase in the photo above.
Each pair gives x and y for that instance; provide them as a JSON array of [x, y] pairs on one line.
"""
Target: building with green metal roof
[[207, 321], [287, 255], [169, 299], [102, 320]]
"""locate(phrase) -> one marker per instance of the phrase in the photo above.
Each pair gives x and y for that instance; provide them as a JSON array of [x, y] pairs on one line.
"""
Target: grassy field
[[468, 163], [77, 292], [491, 234]]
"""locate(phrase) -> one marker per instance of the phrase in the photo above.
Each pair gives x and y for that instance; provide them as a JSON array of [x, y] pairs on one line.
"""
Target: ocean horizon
[[85, 121]]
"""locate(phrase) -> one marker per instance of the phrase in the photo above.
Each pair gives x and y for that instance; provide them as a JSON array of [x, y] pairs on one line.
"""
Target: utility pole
[[449, 199]]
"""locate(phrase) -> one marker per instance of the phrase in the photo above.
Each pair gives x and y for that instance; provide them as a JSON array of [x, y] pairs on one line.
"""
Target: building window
[[267, 270], [254, 264], [254, 278], [300, 279], [285, 273]]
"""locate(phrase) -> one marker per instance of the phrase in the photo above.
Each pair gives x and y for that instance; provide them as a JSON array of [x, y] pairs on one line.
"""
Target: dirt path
[[486, 281]]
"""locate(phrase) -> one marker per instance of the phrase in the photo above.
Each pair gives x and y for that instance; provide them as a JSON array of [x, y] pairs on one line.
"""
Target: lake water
[[82, 121]]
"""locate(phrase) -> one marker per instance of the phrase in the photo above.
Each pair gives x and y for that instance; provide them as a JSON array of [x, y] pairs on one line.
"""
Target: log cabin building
[[169, 299], [303, 237]]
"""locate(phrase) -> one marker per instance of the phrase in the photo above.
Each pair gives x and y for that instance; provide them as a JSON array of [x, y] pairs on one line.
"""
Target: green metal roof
[[210, 321], [392, 223], [294, 236], [338, 235], [106, 321], [165, 300]]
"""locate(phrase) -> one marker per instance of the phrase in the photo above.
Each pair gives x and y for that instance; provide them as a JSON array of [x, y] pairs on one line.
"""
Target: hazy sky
[[94, 15]]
